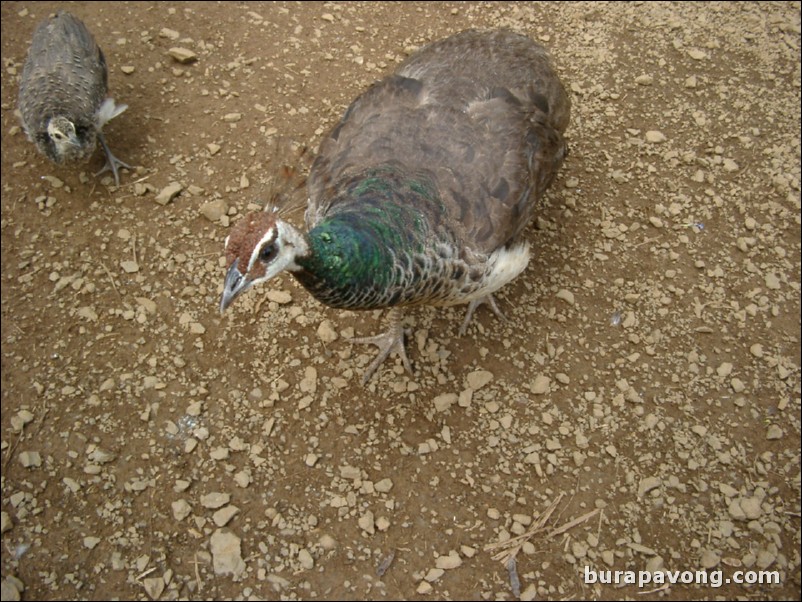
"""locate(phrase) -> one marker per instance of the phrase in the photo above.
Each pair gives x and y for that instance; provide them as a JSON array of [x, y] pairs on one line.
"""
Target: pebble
[[366, 523], [129, 267], [433, 575], [5, 522], [737, 385], [172, 34], [648, 484], [774, 432], [154, 587], [214, 210], [306, 560], [215, 500], [541, 385], [326, 332], [11, 589], [280, 297], [182, 55], [451, 561], [478, 379], [91, 542], [709, 559], [168, 193], [30, 459], [223, 516], [232, 117], [655, 137], [226, 553], [181, 509], [566, 296], [444, 401], [383, 486], [725, 369], [772, 281]]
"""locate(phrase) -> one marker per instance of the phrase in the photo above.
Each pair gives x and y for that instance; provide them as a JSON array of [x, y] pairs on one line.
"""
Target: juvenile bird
[[419, 195], [62, 96]]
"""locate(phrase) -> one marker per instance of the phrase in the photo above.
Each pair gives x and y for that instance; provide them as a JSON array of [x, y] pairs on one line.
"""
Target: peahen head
[[260, 247], [66, 143]]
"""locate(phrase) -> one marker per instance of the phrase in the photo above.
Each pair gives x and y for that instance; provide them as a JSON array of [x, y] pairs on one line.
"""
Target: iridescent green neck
[[374, 226]]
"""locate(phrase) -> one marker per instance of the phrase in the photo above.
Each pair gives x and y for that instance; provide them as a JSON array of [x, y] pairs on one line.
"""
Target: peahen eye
[[268, 253]]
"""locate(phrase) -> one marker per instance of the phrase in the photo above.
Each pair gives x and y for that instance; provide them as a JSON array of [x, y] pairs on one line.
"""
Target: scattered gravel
[[648, 367]]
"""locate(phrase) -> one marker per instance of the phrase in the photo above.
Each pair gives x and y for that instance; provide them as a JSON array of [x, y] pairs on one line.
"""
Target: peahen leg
[[391, 340], [486, 300]]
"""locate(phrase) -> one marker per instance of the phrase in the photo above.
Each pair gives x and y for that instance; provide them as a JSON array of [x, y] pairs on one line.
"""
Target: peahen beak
[[235, 284]]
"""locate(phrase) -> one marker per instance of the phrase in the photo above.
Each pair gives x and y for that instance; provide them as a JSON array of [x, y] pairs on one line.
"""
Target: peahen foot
[[112, 162], [391, 340], [486, 300]]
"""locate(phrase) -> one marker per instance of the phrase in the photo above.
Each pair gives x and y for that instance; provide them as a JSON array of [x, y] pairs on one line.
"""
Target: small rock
[[366, 523], [90, 542], [647, 484], [444, 401], [566, 296], [383, 486], [154, 587], [215, 500], [725, 369], [655, 137], [182, 55], [5, 523], [541, 385], [697, 54], [280, 297], [168, 193], [451, 561], [171, 34], [12, 588], [129, 267], [774, 432], [710, 559], [305, 560], [478, 379], [214, 210], [751, 508], [223, 516], [30, 459], [226, 553], [232, 117], [772, 281], [326, 332], [181, 509], [644, 80]]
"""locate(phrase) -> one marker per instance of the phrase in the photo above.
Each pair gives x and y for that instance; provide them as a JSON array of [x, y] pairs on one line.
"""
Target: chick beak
[[235, 284]]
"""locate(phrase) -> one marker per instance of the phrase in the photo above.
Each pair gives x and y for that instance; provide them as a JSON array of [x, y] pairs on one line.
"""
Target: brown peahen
[[420, 193]]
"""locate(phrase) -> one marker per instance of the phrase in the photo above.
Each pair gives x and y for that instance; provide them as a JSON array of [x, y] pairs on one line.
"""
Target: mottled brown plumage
[[63, 93], [420, 193]]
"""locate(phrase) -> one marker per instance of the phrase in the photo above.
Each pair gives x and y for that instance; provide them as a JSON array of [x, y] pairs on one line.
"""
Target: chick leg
[[112, 162]]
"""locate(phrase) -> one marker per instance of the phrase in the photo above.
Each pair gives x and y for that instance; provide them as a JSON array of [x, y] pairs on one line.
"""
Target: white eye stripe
[[269, 236]]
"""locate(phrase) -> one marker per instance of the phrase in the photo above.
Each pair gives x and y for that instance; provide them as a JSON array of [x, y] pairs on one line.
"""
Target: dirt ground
[[638, 410]]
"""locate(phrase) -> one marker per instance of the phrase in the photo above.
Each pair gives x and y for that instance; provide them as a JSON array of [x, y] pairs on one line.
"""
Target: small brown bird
[[420, 193], [63, 93]]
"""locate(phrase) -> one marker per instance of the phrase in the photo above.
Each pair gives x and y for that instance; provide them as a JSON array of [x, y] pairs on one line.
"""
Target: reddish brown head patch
[[246, 235]]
